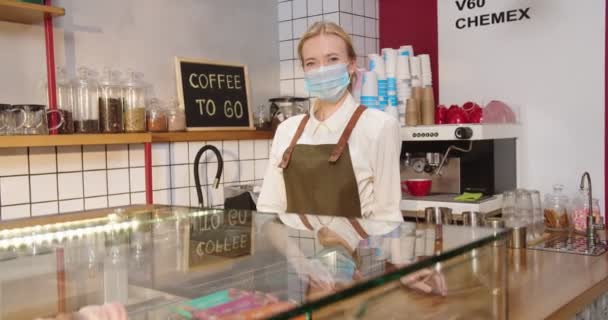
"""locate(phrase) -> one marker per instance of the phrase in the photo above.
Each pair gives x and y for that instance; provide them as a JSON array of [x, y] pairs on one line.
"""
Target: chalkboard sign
[[213, 95]]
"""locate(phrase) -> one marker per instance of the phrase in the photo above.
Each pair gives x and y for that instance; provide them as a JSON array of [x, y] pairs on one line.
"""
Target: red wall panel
[[411, 22]]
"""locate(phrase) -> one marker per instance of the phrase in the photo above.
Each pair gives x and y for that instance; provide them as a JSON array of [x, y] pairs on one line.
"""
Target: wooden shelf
[[73, 139], [126, 138], [27, 13], [211, 135]]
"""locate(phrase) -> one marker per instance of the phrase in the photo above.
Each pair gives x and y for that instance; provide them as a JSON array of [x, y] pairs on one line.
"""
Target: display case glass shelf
[[163, 262]]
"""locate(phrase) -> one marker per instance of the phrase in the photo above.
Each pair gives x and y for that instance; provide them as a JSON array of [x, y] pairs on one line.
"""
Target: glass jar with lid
[[556, 209], [156, 117], [176, 117], [580, 211], [86, 101], [134, 108], [65, 101], [110, 102]]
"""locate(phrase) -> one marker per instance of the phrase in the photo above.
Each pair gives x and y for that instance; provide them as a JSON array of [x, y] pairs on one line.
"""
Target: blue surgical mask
[[328, 83]]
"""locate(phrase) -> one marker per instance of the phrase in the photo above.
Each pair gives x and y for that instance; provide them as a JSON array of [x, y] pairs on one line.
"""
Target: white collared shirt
[[375, 147]]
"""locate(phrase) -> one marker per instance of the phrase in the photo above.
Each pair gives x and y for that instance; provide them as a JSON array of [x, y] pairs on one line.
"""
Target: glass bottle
[[556, 210], [134, 94], [156, 117], [86, 101], [65, 101], [110, 102], [580, 210]]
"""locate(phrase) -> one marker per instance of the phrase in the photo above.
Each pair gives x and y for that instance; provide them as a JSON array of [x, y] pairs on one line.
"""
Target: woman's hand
[[427, 281]]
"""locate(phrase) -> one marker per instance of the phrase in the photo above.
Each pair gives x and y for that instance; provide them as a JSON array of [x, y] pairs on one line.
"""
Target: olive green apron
[[319, 179]]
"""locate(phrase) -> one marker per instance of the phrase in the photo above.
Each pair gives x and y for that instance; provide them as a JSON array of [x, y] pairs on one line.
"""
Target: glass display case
[[163, 262]]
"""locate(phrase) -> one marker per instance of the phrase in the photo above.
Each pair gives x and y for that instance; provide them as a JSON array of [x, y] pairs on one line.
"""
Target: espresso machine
[[459, 159]]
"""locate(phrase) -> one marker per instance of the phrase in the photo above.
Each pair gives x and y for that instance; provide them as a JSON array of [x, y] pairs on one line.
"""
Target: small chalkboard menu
[[213, 95]]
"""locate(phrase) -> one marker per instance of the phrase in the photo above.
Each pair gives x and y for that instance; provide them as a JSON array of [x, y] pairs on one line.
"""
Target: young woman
[[341, 159]]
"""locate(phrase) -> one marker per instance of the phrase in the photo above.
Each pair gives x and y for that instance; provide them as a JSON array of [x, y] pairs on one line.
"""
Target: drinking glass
[[537, 213], [523, 209], [508, 208]]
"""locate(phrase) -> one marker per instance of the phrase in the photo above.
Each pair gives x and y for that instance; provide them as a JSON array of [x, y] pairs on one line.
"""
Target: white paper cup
[[369, 85], [376, 64], [390, 61], [415, 67], [425, 63], [403, 67], [407, 51]]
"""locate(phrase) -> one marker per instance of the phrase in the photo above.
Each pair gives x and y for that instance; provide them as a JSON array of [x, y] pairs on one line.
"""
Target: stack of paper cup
[[404, 86], [407, 51], [376, 64], [416, 71], [426, 75], [369, 90], [390, 61]]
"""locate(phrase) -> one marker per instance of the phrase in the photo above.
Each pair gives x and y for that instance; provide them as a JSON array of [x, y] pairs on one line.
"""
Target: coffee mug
[[34, 119], [9, 119]]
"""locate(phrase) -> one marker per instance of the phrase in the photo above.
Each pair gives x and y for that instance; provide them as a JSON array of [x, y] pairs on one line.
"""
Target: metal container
[[472, 219], [518, 238], [438, 215]]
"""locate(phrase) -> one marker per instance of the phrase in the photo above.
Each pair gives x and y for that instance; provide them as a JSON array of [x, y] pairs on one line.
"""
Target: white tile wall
[[358, 18], [43, 187], [94, 157], [69, 158], [13, 161], [117, 156], [43, 160], [70, 185]]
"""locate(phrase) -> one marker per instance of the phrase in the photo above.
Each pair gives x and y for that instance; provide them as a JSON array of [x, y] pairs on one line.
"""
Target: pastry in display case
[[159, 262]]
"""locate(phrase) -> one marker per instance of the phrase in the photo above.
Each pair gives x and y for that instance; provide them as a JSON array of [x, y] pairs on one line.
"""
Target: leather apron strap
[[287, 154], [339, 149]]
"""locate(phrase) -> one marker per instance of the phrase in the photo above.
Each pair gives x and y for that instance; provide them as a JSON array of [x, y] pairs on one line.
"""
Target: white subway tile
[[245, 149], [215, 197], [246, 170], [359, 43], [119, 200], [370, 28], [161, 177], [14, 190], [94, 157], [70, 185], [180, 176], [358, 27], [71, 205], [231, 150], [118, 181], [287, 87], [314, 19], [162, 197], [137, 179], [209, 155], [95, 203], [330, 6], [299, 9], [260, 168], [13, 161], [370, 46], [346, 21], [285, 31], [179, 152], [43, 187], [69, 158], [370, 8], [300, 88], [260, 149], [45, 208], [160, 154], [299, 28], [136, 155], [285, 11], [194, 197], [298, 72], [332, 17], [296, 54], [95, 183], [361, 62], [117, 156], [180, 197], [193, 148], [286, 69], [286, 50], [43, 160], [231, 171], [359, 7], [346, 6], [15, 212], [138, 198], [315, 7]]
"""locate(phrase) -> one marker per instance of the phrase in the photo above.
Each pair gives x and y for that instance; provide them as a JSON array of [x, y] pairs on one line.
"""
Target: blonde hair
[[319, 28]]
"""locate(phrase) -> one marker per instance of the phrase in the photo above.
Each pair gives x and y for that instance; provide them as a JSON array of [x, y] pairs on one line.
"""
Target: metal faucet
[[591, 225], [218, 174]]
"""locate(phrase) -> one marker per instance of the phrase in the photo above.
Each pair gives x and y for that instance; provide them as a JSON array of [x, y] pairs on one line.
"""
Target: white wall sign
[[474, 19]]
